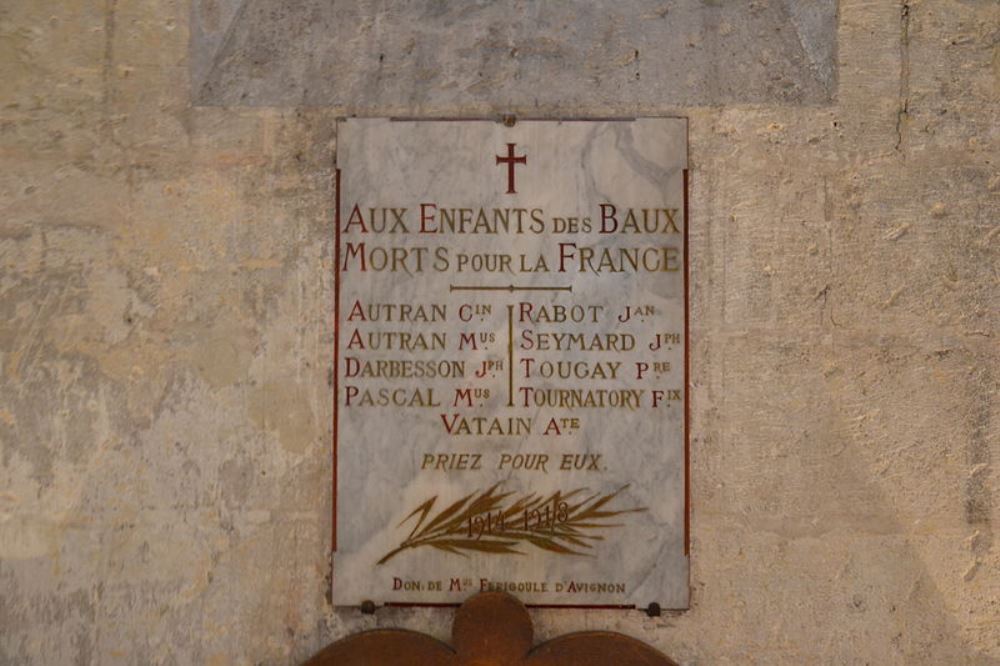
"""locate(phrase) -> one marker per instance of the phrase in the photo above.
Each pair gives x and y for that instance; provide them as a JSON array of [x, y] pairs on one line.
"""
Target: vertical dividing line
[[687, 379], [336, 351], [510, 355]]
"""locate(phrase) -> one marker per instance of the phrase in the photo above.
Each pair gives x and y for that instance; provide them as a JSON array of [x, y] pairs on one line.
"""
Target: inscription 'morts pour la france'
[[511, 362]]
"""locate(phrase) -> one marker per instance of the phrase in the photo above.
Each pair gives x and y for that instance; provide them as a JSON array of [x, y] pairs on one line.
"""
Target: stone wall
[[166, 337]]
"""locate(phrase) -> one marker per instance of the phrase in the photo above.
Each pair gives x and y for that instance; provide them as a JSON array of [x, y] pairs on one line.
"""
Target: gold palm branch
[[448, 530]]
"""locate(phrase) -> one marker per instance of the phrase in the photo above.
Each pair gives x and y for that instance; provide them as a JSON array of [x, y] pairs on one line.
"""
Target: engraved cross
[[511, 161]]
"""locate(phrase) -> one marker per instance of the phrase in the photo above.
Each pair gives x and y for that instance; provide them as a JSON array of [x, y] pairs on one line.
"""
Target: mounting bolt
[[653, 610], [368, 607]]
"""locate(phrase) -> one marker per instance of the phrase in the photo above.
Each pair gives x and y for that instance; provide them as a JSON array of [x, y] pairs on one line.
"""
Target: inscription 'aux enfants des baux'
[[435, 218], [654, 225]]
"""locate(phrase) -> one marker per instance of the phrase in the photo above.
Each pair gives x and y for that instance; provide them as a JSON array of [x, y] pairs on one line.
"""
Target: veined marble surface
[[475, 55], [511, 353]]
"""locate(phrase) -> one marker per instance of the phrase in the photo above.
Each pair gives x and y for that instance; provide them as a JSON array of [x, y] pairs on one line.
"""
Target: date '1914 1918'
[[543, 518]]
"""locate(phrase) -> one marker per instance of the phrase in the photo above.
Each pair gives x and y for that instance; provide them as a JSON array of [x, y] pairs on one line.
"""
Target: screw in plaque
[[368, 607], [653, 610]]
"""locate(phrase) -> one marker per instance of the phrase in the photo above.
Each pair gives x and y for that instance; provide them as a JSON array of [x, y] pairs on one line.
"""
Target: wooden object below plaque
[[490, 629]]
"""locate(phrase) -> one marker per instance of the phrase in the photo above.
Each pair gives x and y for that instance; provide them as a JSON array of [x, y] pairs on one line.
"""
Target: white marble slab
[[427, 418]]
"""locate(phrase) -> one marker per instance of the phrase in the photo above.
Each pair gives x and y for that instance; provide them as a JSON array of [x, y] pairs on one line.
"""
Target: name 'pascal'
[[388, 397]]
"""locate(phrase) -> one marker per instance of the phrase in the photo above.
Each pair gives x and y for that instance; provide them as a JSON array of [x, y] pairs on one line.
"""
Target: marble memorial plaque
[[511, 362]]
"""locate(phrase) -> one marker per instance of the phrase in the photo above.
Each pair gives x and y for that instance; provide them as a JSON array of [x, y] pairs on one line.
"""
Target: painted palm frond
[[495, 522]]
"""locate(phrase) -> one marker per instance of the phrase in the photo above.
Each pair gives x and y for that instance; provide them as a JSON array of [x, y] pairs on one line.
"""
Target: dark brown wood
[[490, 629]]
